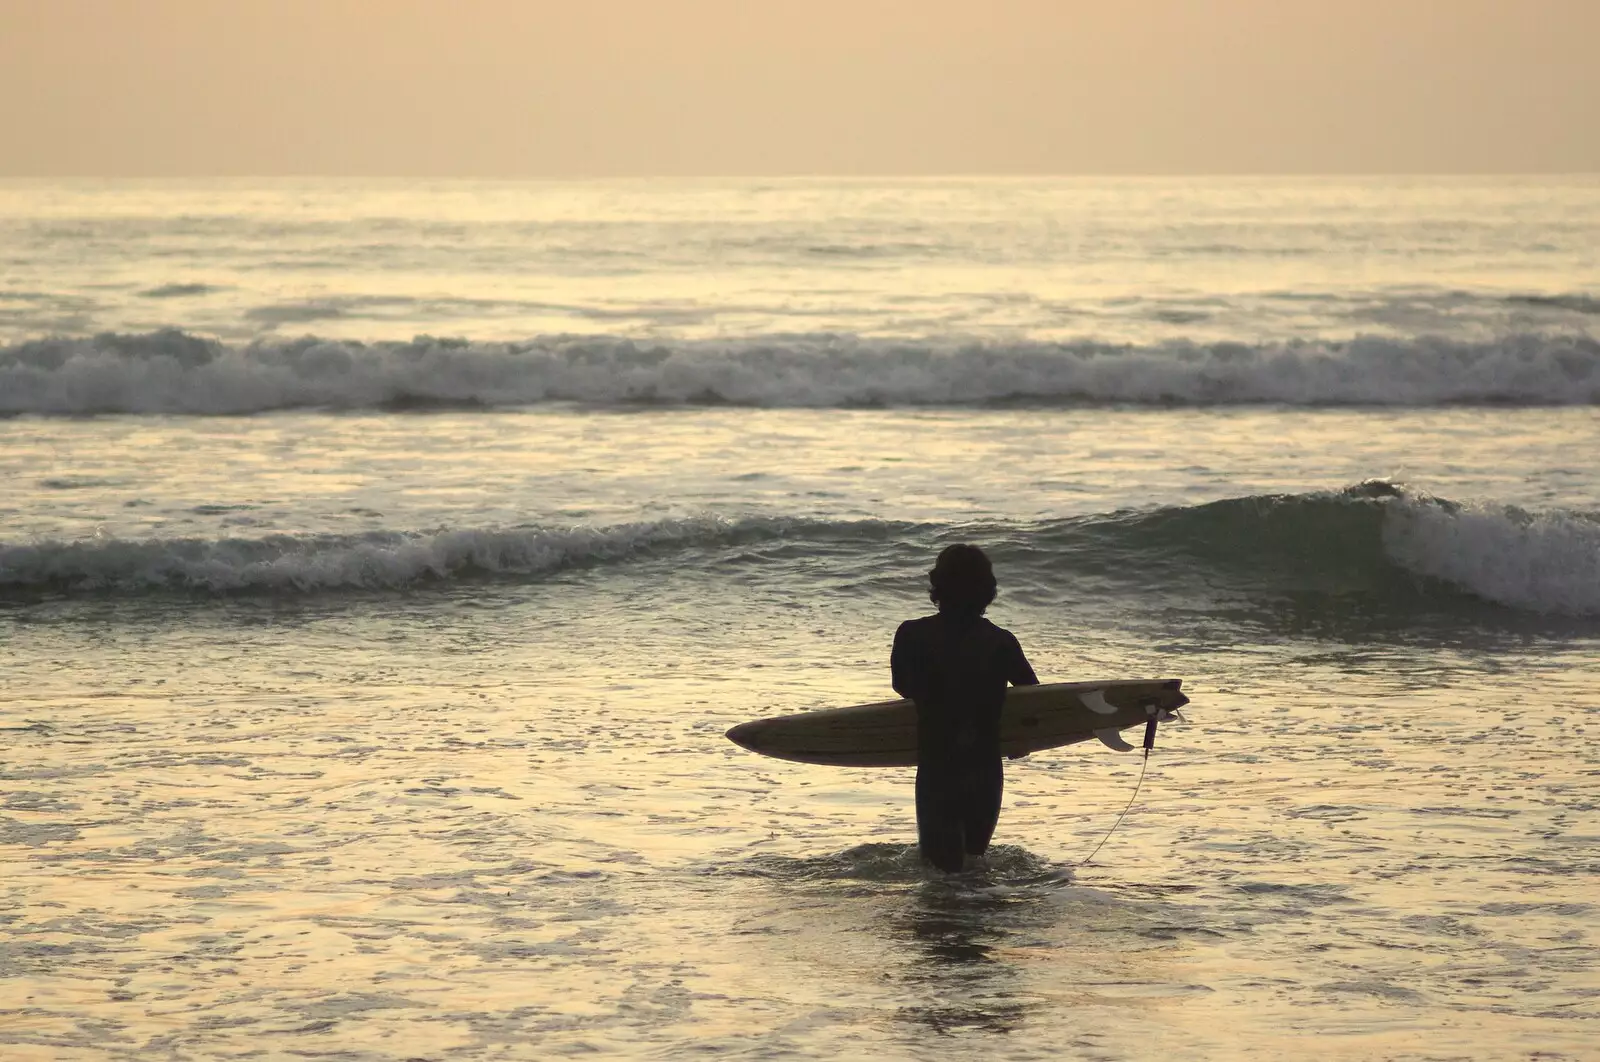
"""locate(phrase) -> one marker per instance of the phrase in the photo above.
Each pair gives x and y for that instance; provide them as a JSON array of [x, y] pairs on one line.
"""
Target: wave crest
[[1544, 562], [385, 560], [1373, 546], [176, 372], [1376, 542]]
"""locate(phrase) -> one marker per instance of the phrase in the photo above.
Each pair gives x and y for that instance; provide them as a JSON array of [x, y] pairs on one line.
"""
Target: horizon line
[[807, 176]]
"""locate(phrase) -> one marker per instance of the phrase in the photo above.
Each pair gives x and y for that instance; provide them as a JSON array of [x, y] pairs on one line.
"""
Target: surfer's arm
[[1020, 672], [902, 666]]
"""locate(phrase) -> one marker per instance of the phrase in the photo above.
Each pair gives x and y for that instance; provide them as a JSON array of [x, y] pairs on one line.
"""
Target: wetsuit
[[955, 666]]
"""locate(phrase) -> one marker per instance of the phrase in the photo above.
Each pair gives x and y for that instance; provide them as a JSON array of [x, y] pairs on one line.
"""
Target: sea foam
[[1544, 562], [176, 372], [375, 560]]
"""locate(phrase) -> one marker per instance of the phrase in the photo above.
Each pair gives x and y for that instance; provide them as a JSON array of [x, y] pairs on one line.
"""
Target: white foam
[[321, 562], [1545, 562], [173, 372]]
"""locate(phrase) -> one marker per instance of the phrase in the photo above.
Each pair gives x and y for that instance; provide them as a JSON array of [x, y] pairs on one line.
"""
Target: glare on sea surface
[[473, 812]]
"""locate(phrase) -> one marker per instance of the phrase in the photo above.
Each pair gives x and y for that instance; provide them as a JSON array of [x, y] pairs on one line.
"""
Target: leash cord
[[1142, 768]]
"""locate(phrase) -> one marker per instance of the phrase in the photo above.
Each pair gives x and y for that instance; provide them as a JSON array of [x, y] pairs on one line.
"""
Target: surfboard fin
[[1096, 702], [1111, 738]]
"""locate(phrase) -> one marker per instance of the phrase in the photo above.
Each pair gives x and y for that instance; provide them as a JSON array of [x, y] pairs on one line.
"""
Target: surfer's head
[[962, 580]]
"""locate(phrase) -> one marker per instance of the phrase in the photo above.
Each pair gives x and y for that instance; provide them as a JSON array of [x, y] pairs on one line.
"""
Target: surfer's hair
[[962, 579]]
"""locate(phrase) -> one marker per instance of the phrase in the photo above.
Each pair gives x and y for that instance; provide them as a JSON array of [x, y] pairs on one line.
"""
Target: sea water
[[382, 563]]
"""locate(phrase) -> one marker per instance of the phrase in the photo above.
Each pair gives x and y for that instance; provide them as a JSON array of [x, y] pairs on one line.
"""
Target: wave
[[1376, 541], [1544, 562], [1374, 544], [1574, 303], [377, 560], [179, 291], [177, 372]]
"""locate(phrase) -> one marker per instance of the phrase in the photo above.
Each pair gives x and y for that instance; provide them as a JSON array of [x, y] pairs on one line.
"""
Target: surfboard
[[884, 734]]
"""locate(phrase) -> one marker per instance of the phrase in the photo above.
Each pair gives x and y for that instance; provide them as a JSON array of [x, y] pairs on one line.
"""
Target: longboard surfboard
[[884, 734]]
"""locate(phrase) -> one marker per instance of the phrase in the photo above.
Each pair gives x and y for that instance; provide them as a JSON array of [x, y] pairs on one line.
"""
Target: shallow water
[[359, 793], [384, 720]]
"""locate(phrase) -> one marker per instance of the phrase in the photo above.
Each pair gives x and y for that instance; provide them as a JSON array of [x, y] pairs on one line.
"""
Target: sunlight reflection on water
[[493, 815]]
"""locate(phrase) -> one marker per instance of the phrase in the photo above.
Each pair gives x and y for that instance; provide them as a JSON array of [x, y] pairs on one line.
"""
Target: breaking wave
[[1374, 542], [378, 560], [1543, 562], [177, 372]]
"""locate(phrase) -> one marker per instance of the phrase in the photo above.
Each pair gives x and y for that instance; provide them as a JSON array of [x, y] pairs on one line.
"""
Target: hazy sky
[[538, 88]]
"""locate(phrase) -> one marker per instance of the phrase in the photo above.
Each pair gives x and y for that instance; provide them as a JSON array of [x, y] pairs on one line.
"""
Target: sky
[[616, 88]]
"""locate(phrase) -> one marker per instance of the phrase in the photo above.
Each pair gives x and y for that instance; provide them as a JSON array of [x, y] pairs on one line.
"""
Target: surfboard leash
[[1149, 744]]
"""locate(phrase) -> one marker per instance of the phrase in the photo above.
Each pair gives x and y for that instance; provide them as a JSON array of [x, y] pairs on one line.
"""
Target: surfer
[[955, 666]]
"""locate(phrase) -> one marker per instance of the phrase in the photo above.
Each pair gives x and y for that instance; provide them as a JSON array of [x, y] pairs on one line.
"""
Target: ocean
[[381, 564]]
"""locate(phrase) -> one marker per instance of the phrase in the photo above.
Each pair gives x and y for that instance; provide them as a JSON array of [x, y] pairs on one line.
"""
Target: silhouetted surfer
[[955, 665]]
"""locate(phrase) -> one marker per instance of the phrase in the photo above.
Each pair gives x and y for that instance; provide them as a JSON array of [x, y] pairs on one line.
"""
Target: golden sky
[[573, 88]]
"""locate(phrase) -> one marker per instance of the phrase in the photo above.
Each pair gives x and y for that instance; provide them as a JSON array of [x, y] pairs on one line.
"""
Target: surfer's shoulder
[[1000, 632]]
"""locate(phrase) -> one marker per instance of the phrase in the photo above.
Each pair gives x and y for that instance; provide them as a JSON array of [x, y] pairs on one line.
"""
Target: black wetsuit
[[955, 666]]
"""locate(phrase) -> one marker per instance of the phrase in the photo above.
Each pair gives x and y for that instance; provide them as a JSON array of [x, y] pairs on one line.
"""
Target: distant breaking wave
[[1375, 542], [176, 372]]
